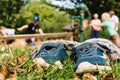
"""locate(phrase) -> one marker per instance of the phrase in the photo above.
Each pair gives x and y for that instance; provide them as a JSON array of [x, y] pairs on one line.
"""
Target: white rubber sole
[[88, 67]]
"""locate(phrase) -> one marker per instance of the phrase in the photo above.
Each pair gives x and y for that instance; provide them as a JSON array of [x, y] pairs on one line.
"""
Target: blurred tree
[[8, 12], [101, 6], [94, 6], [51, 19]]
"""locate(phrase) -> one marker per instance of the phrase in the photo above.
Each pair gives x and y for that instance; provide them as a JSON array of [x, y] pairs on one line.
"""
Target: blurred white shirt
[[114, 20]]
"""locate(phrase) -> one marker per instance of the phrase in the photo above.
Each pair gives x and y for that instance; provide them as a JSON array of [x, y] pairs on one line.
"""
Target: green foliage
[[100, 6], [87, 33], [96, 6], [52, 20], [104, 34], [8, 12], [119, 28]]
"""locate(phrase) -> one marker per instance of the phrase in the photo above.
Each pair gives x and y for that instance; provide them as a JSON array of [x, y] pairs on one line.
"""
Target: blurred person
[[106, 24], [31, 28], [7, 32], [114, 20], [93, 26]]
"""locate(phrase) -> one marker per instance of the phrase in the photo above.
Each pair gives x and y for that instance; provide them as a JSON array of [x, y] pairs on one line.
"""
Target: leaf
[[4, 70], [22, 58]]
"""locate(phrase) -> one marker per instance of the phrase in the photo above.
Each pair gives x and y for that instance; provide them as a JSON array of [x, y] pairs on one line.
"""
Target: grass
[[67, 73]]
